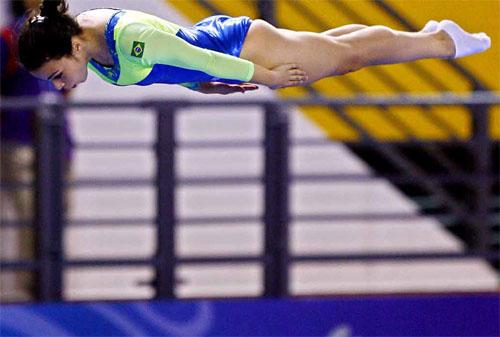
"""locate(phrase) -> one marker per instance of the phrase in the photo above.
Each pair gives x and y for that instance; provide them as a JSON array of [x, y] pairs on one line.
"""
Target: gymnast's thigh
[[319, 55]]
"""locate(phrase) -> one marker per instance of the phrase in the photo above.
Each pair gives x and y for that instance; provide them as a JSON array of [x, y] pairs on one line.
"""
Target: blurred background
[[364, 199]]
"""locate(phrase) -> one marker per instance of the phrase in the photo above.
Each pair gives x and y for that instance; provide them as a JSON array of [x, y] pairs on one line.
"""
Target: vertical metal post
[[276, 214], [49, 151], [482, 164], [267, 10], [165, 175]]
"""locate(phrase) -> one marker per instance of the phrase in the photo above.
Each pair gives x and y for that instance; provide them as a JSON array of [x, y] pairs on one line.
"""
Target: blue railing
[[49, 185]]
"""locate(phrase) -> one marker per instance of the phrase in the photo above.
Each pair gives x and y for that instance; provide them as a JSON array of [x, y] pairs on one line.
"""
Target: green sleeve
[[159, 47]]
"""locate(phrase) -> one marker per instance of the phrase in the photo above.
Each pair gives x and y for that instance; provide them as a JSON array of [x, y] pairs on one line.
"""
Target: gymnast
[[219, 54]]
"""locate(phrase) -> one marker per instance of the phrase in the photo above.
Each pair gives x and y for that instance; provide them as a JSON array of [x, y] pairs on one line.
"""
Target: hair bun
[[51, 8]]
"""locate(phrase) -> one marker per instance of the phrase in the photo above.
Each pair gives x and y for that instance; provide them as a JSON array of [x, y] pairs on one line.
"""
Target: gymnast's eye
[[58, 76]]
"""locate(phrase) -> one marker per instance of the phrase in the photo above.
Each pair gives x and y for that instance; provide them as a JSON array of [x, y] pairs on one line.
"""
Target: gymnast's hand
[[225, 88], [288, 75]]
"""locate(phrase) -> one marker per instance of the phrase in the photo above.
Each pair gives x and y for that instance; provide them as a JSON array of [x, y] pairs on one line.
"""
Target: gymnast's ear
[[76, 44]]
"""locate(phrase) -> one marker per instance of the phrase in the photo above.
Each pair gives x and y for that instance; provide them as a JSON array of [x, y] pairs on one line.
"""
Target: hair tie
[[38, 19]]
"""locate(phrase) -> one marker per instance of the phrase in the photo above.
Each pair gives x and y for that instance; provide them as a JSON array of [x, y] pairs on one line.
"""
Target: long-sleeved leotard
[[148, 50]]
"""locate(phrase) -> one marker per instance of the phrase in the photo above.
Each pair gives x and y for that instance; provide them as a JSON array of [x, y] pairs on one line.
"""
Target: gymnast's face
[[66, 72]]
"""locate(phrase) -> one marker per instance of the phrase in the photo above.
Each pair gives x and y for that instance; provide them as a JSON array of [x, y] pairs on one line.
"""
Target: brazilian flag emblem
[[137, 49]]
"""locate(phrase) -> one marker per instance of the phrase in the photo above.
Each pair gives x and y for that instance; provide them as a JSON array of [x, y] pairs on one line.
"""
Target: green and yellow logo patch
[[137, 49]]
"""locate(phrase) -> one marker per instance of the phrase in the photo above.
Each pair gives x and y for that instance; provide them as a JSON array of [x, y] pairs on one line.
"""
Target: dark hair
[[47, 34], [17, 8]]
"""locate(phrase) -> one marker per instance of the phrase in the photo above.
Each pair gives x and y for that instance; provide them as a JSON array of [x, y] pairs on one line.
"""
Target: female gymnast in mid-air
[[220, 54]]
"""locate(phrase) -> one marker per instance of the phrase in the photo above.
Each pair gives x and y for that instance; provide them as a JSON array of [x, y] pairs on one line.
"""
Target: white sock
[[465, 43], [430, 27]]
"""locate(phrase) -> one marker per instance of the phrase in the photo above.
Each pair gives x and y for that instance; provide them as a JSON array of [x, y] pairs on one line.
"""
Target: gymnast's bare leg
[[350, 48], [431, 26]]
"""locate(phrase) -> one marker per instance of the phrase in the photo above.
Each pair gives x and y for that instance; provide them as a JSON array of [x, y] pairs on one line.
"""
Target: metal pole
[[267, 11], [479, 241], [165, 175], [276, 214], [49, 198]]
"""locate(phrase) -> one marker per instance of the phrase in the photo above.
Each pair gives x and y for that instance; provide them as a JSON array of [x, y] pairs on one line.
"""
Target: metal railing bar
[[243, 180], [445, 219], [116, 146], [111, 222], [384, 143], [219, 144], [15, 224], [142, 182], [394, 256], [409, 143], [399, 179], [19, 265], [475, 98], [31, 265], [313, 142], [245, 219], [336, 217], [109, 262], [224, 144], [241, 219], [153, 261], [220, 220], [165, 202], [331, 218], [16, 186], [9, 186], [220, 259], [151, 221], [339, 177], [117, 183], [308, 142], [90, 146]]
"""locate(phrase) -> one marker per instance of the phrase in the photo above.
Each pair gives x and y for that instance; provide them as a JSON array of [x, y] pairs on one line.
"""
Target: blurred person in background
[[17, 156]]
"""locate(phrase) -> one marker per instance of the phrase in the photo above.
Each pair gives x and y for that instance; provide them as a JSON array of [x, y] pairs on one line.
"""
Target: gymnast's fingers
[[299, 77], [249, 86]]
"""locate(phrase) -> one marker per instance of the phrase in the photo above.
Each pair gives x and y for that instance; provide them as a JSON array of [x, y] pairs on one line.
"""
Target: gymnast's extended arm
[[166, 48]]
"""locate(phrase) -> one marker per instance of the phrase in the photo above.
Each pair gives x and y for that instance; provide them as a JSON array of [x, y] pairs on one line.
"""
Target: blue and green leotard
[[148, 50]]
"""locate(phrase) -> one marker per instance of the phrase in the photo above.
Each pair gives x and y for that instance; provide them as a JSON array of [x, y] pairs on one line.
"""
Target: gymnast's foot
[[465, 43]]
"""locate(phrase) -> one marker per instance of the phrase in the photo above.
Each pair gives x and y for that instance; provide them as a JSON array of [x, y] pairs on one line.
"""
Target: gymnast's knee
[[351, 61]]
